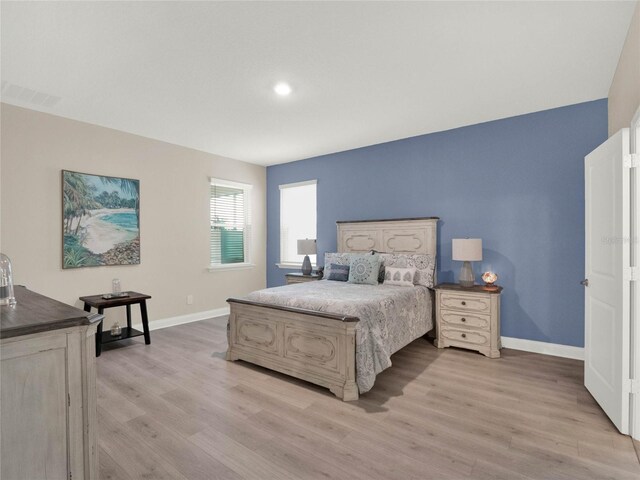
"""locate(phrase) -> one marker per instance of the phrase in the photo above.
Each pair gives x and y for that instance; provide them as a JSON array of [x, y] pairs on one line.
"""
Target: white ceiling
[[201, 74]]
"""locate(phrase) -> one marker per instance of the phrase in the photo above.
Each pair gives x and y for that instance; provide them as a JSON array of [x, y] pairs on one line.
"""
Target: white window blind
[[230, 225], [297, 219]]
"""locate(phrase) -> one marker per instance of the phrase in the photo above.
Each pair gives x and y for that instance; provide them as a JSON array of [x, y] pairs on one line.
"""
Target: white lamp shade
[[466, 249], [307, 247]]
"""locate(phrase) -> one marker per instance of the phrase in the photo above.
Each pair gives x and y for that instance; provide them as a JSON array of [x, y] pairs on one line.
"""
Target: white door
[[634, 133], [607, 311]]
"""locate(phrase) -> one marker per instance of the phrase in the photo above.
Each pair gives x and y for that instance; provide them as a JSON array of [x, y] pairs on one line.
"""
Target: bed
[[336, 334]]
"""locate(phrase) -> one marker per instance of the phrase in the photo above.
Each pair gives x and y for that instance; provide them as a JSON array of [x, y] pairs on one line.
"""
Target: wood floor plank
[[123, 447], [311, 443], [319, 424], [624, 457], [109, 468], [299, 463], [194, 463], [239, 458], [176, 409], [407, 453], [116, 404]]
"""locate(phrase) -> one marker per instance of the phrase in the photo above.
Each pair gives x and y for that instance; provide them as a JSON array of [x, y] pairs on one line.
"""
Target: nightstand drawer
[[479, 304], [466, 320], [475, 338]]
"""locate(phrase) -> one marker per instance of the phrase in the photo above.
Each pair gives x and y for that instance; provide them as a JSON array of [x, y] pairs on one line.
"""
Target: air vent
[[28, 95]]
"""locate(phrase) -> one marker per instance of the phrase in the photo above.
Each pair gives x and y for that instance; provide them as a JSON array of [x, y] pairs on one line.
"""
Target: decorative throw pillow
[[425, 266], [337, 259], [381, 274], [364, 269], [339, 273], [399, 276]]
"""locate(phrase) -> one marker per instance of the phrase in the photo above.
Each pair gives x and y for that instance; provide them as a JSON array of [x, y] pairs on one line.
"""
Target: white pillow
[[424, 264], [399, 276]]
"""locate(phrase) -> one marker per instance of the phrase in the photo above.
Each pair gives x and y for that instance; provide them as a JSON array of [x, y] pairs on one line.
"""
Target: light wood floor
[[177, 410]]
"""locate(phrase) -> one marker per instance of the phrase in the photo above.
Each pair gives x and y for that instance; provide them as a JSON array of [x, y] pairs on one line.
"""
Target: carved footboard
[[314, 346]]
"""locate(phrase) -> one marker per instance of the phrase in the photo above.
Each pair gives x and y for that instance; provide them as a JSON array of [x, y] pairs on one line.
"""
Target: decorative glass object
[[7, 297], [489, 278], [116, 330], [115, 286]]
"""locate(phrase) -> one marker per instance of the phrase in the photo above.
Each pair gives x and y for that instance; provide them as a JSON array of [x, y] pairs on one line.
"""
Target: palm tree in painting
[[78, 200], [129, 187]]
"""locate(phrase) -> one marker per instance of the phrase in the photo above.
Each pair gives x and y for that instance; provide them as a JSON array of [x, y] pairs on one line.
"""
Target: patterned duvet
[[390, 316]]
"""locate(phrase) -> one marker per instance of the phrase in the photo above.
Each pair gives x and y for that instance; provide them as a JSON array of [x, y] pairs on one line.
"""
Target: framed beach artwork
[[100, 220]]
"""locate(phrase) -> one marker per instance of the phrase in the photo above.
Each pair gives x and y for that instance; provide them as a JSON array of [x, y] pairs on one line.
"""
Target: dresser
[[48, 425], [468, 317], [300, 278]]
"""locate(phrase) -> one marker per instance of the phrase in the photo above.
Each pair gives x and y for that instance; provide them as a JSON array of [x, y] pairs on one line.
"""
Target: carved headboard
[[406, 235]]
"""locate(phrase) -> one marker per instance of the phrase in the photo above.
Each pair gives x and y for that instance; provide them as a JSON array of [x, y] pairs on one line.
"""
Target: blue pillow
[[364, 269], [339, 273]]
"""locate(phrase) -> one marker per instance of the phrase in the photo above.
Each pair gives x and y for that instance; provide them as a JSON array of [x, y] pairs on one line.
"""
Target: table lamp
[[306, 247], [466, 250]]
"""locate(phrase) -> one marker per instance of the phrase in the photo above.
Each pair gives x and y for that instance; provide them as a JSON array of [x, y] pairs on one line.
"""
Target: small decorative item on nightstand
[[469, 317], [489, 278]]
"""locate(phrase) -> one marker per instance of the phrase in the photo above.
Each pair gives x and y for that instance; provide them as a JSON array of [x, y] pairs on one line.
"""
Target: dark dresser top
[[36, 313]]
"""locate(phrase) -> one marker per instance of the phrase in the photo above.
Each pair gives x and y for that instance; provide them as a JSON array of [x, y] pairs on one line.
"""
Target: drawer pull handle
[[463, 319], [464, 303], [464, 335]]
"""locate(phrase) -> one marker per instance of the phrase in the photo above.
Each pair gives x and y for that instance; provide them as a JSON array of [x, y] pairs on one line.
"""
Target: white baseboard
[[182, 319], [555, 349]]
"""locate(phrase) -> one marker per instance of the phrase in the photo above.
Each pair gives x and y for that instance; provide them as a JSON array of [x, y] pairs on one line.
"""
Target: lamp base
[[306, 265], [467, 278]]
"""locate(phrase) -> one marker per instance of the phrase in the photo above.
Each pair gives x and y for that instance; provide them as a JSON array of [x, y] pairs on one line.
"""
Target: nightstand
[[468, 317], [300, 278]]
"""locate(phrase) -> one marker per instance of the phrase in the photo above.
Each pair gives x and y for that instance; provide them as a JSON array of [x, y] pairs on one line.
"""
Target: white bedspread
[[390, 316]]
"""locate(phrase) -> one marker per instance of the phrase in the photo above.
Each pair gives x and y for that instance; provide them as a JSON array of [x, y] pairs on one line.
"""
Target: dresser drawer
[[470, 337], [479, 304], [482, 322]]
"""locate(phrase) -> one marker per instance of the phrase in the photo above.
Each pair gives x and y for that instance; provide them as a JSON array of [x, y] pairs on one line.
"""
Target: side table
[[96, 301], [469, 317]]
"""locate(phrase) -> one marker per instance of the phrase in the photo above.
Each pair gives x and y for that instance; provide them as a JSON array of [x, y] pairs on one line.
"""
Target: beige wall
[[174, 185], [624, 93]]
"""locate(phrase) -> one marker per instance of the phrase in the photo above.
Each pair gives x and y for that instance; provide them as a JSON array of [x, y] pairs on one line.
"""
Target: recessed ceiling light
[[282, 89]]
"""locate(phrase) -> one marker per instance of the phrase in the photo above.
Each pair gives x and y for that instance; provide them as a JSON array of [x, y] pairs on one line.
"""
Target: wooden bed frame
[[315, 346]]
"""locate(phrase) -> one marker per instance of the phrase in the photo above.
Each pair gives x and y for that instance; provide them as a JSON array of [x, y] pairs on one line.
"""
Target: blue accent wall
[[517, 183]]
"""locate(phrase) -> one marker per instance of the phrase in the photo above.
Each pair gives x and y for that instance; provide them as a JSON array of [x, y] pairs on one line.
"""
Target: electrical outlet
[[189, 299]]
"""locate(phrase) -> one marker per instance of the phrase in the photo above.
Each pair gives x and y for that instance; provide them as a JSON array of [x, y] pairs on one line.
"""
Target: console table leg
[[98, 332], [145, 322], [129, 317]]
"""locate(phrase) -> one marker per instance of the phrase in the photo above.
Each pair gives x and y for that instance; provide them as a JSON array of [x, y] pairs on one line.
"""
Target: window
[[230, 225], [297, 220]]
